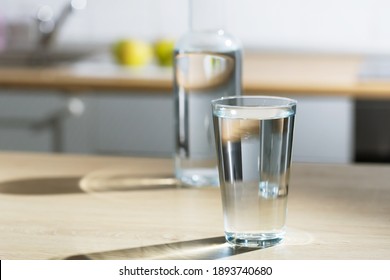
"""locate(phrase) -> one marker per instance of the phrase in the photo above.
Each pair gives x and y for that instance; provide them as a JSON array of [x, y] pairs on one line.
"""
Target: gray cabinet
[[21, 117], [42, 121], [324, 130], [137, 124], [109, 123], [142, 123]]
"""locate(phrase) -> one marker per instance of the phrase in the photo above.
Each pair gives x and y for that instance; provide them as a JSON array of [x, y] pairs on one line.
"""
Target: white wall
[[324, 25]]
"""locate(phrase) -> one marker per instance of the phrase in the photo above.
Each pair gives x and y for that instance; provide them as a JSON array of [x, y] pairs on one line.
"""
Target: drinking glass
[[254, 136]]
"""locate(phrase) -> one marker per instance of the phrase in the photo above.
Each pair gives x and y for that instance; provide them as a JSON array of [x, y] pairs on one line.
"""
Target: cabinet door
[[45, 121], [324, 130], [137, 124], [22, 114]]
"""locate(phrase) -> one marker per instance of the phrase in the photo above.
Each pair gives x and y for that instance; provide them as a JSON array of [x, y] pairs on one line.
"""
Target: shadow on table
[[201, 249], [41, 186], [69, 185]]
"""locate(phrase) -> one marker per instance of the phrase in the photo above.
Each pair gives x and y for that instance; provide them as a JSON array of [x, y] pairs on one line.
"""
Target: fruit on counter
[[163, 49], [131, 52]]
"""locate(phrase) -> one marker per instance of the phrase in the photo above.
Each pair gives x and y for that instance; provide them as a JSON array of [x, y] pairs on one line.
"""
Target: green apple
[[163, 49], [132, 52]]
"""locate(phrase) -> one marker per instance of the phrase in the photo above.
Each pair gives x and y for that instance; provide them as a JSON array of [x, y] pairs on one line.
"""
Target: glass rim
[[289, 102]]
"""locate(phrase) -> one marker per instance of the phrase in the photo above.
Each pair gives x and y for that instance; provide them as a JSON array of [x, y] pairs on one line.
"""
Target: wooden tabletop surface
[[89, 207], [263, 73]]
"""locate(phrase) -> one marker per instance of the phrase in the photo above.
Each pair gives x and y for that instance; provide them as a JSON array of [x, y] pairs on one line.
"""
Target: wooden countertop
[[335, 211], [263, 73]]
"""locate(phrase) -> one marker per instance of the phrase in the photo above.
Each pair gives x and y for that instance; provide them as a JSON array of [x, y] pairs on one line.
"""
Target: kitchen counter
[[60, 207], [304, 74]]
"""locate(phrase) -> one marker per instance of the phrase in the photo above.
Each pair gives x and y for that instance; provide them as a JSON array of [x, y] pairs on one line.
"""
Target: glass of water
[[254, 136]]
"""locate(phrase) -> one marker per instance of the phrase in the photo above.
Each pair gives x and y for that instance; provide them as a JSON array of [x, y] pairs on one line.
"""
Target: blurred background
[[310, 25], [330, 128]]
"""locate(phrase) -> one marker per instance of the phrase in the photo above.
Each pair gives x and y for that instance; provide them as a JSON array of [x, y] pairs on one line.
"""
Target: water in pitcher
[[199, 78]]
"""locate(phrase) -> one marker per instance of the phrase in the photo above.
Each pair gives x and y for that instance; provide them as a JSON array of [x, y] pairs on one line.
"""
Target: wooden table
[[59, 207]]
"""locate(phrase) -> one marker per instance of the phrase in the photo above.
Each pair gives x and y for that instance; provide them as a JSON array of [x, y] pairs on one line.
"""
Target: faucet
[[49, 26]]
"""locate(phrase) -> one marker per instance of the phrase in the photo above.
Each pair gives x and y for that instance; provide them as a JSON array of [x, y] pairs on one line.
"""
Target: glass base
[[254, 240]]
